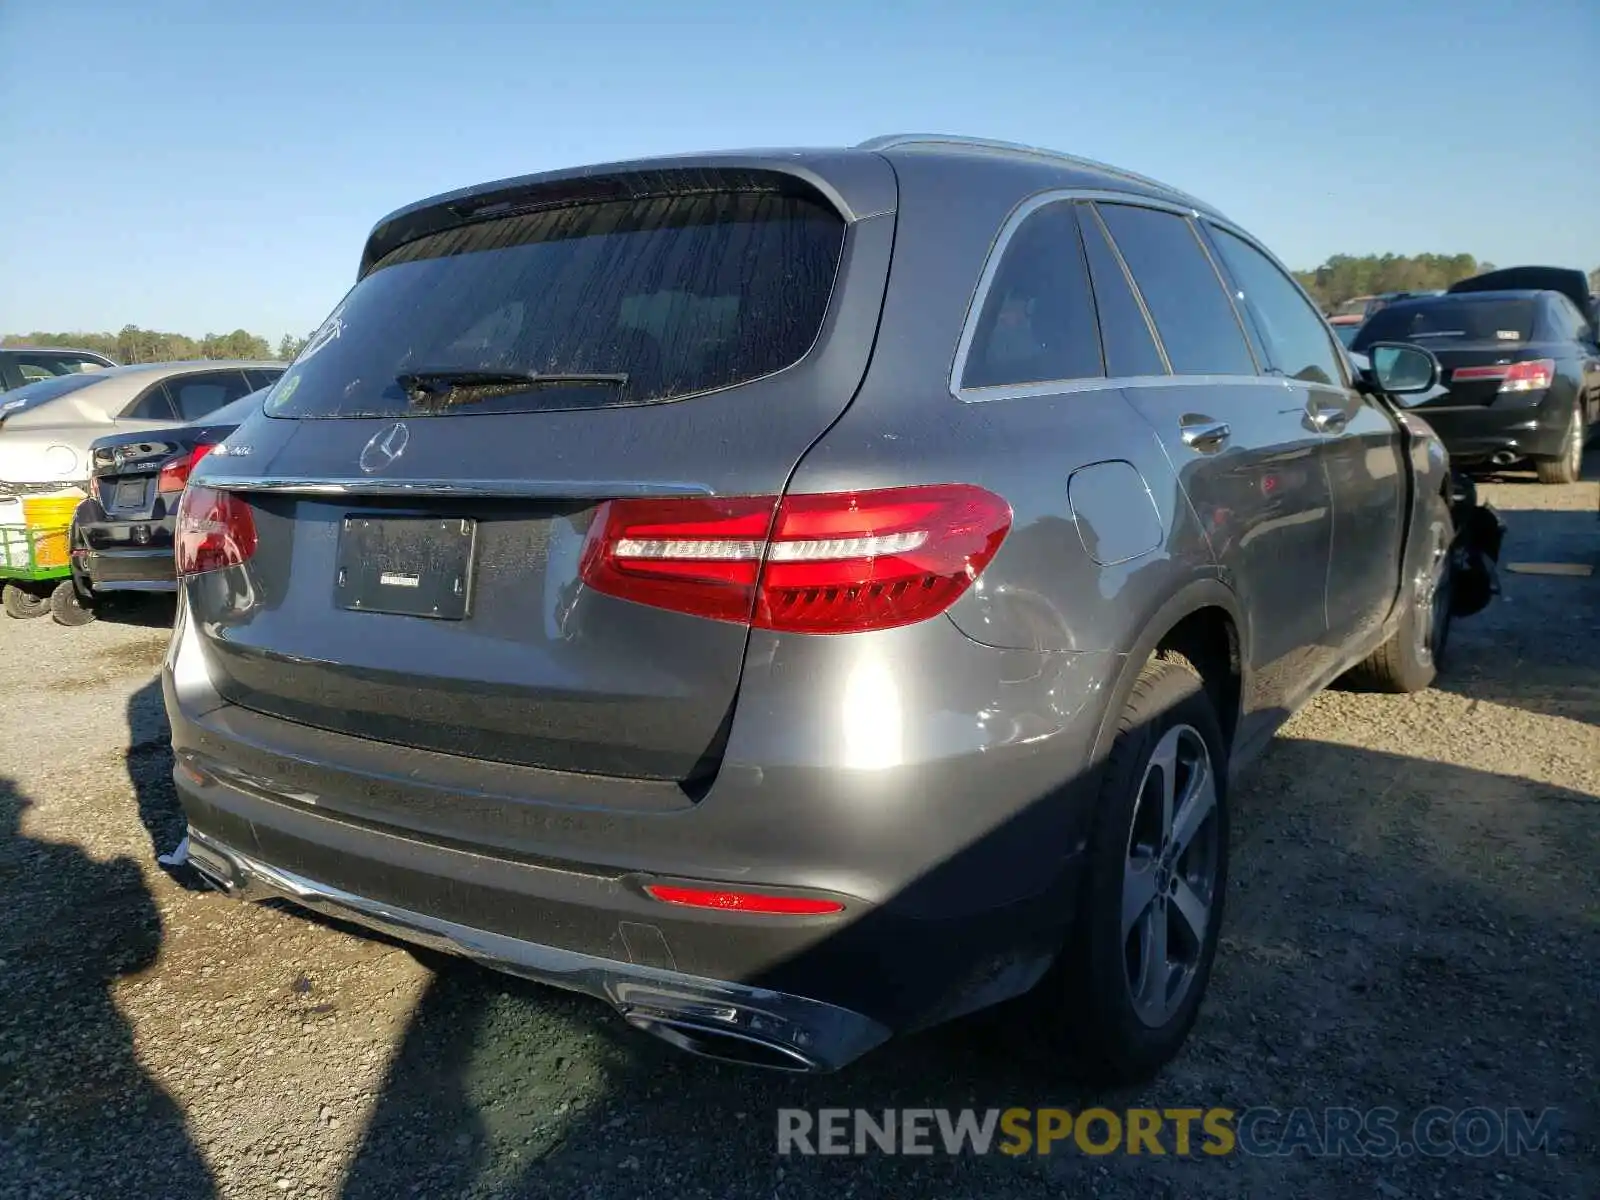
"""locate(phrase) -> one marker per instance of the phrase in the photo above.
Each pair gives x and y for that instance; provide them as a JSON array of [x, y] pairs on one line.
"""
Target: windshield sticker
[[279, 396]]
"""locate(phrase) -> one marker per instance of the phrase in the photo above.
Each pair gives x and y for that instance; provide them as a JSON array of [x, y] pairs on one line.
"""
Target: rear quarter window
[[681, 294], [1038, 323]]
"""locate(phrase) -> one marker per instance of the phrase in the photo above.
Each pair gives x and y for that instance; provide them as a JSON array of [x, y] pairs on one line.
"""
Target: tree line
[[134, 345], [1344, 276]]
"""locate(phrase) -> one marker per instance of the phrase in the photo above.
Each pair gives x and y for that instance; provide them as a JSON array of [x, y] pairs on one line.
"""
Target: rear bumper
[[753, 1025], [1475, 433], [130, 556], [957, 864]]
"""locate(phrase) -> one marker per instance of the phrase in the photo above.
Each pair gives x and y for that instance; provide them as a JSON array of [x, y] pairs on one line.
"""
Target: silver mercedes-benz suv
[[797, 596]]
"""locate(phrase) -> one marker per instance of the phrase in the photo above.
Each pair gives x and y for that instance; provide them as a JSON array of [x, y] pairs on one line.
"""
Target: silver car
[[46, 427], [798, 597]]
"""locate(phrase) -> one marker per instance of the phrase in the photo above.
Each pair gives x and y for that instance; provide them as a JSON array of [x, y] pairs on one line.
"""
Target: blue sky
[[182, 169]]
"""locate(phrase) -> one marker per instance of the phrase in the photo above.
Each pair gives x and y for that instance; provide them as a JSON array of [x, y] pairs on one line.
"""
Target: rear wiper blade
[[428, 385]]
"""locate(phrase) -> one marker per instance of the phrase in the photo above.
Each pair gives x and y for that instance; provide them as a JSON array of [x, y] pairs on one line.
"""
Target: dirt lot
[[1414, 920]]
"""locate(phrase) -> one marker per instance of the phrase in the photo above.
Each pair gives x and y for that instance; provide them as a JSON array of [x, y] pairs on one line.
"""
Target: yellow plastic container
[[47, 512], [50, 548]]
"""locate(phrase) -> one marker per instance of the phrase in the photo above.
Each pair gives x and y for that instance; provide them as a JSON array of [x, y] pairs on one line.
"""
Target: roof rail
[[894, 140]]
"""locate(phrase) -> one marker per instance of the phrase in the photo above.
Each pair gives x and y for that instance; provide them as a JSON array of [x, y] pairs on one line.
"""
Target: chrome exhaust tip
[[213, 866], [1503, 458], [724, 1045]]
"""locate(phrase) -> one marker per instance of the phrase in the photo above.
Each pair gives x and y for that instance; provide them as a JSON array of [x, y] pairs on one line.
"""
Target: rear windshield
[[31, 395], [1451, 319], [655, 299]]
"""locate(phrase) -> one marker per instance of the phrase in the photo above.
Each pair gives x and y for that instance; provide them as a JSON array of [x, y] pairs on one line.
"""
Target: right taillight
[[1532, 376], [175, 475], [835, 562], [214, 530]]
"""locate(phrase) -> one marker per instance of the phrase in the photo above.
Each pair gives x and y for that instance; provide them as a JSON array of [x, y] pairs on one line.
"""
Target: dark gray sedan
[[798, 597]]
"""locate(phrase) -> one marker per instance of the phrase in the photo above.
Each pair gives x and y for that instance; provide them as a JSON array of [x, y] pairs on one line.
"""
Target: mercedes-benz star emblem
[[386, 446]]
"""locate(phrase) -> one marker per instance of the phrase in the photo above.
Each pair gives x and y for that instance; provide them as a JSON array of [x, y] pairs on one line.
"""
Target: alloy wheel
[[1170, 876]]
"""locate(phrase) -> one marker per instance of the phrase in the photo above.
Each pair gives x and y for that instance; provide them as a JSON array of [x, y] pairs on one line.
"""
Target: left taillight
[[837, 562], [175, 475], [214, 530]]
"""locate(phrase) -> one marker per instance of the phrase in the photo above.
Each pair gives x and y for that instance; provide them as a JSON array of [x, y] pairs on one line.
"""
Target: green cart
[[36, 574]]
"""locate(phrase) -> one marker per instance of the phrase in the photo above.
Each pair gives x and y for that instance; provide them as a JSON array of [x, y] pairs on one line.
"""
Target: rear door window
[[1192, 313], [199, 395], [1295, 338], [1130, 347], [652, 299], [1037, 323]]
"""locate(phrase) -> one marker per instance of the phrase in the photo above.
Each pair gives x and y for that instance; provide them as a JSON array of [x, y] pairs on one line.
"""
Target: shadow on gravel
[[1401, 933], [148, 758], [152, 611], [78, 1114]]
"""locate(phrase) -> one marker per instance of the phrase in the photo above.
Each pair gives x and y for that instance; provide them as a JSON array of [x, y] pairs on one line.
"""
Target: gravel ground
[[1413, 921]]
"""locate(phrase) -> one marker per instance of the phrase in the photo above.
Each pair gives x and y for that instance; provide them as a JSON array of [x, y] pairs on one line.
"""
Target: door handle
[[1327, 420], [1204, 434]]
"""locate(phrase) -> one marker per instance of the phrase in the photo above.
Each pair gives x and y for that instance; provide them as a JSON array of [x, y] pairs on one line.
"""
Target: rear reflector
[[175, 475], [748, 902], [1533, 376], [838, 562], [214, 530]]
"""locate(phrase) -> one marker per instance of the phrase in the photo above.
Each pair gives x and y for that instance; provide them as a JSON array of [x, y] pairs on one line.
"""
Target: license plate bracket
[[408, 566], [129, 494]]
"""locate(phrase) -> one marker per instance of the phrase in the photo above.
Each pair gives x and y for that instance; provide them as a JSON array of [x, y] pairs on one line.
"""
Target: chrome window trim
[[1062, 387], [321, 485], [1052, 387]]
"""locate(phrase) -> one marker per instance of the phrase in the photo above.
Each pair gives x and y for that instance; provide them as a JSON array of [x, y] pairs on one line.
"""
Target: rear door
[[717, 323], [1358, 442], [1238, 440]]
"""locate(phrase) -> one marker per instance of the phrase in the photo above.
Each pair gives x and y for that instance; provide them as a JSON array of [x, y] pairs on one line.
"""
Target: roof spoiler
[[856, 186]]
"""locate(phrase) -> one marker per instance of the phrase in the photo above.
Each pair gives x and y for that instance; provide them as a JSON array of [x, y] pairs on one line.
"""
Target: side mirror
[[1399, 369]]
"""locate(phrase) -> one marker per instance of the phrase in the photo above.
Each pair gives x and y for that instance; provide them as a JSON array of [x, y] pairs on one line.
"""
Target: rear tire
[[23, 604], [67, 608], [1568, 465], [1128, 995], [1410, 660]]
